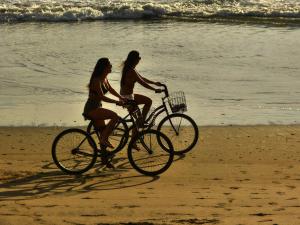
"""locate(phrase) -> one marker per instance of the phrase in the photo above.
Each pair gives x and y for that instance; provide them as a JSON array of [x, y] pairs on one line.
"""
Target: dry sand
[[235, 175]]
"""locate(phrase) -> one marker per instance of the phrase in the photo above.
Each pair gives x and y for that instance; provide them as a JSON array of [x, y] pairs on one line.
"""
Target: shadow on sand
[[55, 182]]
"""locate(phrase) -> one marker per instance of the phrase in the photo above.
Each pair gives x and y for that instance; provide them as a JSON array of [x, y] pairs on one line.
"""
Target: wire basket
[[177, 102]]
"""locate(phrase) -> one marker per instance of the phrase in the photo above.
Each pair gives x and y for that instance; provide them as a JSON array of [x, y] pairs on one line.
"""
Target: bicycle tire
[[143, 161], [184, 140], [80, 150], [118, 138]]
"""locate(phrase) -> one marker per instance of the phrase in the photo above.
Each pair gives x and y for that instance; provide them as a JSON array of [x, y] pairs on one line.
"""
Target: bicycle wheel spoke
[[73, 151], [118, 138], [147, 155], [182, 131]]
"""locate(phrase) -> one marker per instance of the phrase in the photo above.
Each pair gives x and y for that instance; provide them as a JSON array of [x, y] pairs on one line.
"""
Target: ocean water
[[236, 61]]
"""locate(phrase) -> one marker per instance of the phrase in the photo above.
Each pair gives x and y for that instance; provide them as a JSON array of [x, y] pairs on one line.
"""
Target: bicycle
[[74, 151], [181, 129]]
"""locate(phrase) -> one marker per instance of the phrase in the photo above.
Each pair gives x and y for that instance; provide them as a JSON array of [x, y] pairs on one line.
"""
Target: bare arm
[[141, 80], [111, 90], [148, 81], [95, 86]]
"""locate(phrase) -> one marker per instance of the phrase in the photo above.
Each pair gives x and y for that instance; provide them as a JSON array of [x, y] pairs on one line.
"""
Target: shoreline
[[200, 126]]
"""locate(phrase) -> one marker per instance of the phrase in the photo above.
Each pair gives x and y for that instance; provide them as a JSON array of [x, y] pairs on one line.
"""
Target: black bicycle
[[181, 129], [150, 152]]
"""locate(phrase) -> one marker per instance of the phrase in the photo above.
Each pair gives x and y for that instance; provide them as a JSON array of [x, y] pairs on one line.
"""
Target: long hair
[[101, 64], [129, 63]]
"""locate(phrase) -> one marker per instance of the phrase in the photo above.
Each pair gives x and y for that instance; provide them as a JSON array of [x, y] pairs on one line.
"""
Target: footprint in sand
[[117, 207], [217, 178], [93, 215], [220, 205], [292, 199], [179, 214], [50, 206], [279, 209], [132, 206], [276, 182], [261, 214], [273, 203], [263, 221], [234, 188], [291, 186], [87, 198], [230, 200], [196, 221]]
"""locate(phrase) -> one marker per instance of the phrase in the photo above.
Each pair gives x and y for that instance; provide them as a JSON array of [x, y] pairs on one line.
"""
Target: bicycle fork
[[174, 128]]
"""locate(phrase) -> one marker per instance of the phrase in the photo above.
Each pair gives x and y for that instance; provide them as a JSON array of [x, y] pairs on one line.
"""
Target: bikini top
[[103, 88]]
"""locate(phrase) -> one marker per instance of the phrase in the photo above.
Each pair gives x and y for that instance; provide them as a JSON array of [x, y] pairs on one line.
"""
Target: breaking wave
[[79, 10]]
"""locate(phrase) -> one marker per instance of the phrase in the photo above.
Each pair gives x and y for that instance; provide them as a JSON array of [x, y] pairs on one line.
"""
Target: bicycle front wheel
[[74, 151], [149, 156], [182, 131]]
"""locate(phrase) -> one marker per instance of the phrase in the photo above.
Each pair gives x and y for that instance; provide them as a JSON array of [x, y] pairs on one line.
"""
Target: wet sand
[[235, 175]]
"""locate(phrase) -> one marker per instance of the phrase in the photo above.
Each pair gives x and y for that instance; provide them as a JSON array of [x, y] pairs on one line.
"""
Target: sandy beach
[[235, 175]]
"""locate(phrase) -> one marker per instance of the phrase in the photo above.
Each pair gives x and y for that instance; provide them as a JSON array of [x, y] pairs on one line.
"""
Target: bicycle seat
[[130, 103]]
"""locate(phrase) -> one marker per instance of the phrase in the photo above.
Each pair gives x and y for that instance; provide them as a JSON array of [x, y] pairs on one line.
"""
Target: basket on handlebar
[[177, 102]]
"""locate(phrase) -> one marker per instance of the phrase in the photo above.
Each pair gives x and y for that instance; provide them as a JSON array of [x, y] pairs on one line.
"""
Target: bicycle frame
[[151, 118], [156, 112]]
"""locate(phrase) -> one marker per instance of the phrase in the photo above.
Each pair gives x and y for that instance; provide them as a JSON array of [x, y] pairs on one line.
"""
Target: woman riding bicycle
[[98, 87], [129, 77]]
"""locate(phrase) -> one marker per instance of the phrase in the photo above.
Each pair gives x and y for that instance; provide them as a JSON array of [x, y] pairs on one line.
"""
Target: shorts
[[129, 97], [89, 106]]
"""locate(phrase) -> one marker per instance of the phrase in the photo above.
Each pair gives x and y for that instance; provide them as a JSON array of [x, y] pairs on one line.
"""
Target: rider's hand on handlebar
[[122, 99], [120, 103], [159, 84]]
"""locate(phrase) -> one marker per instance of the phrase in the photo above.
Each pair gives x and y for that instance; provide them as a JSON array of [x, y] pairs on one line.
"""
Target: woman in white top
[[130, 76]]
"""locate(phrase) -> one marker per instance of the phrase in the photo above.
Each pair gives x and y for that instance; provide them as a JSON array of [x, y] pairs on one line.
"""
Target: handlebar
[[165, 90]]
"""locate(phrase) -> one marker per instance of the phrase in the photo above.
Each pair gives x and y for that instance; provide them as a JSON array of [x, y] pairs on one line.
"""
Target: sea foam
[[56, 11]]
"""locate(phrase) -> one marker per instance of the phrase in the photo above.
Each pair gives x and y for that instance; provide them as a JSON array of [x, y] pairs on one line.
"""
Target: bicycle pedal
[[110, 166], [106, 157], [107, 163]]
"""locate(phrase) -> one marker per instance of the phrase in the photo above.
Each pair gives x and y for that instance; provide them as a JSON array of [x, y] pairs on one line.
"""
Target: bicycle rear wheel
[[118, 138], [149, 156], [74, 151], [182, 131]]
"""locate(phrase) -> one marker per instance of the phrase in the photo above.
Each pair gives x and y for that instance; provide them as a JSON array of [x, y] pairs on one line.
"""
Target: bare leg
[[143, 100], [101, 114], [99, 125]]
